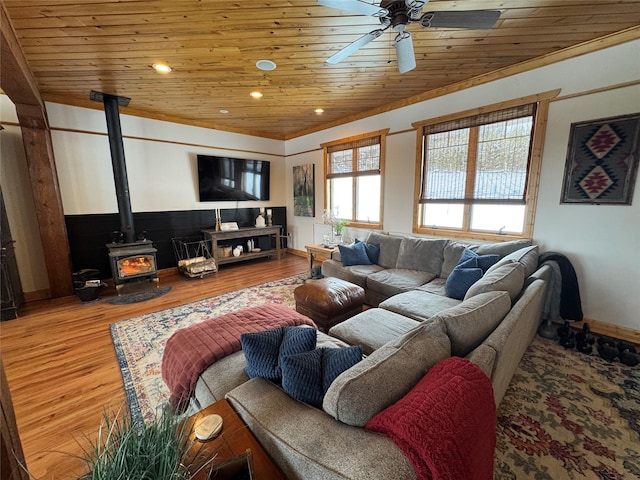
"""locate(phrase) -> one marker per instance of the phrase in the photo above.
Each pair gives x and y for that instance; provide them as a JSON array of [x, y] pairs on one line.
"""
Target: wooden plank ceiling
[[75, 46]]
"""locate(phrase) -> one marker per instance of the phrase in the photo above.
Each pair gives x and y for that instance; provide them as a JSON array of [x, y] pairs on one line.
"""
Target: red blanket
[[190, 350], [446, 425]]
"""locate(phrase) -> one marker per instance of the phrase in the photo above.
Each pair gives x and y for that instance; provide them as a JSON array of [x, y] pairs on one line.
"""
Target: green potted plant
[[339, 226], [155, 451]]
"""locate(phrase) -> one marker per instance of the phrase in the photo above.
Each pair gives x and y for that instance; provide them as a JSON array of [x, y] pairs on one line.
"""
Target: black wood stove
[[132, 259]]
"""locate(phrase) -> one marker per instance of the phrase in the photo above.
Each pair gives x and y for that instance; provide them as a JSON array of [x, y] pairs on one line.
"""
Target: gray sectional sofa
[[412, 326]]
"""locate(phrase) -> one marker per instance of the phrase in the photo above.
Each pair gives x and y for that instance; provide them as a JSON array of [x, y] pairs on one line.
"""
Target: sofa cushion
[[527, 256], [470, 322], [452, 253], [418, 304], [354, 254], [389, 248], [356, 274], [392, 281], [508, 277], [307, 376], [424, 254], [386, 375], [501, 248], [264, 350], [435, 286], [462, 277], [373, 328]]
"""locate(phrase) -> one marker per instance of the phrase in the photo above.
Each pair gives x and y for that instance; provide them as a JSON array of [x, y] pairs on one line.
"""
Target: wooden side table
[[234, 439], [318, 252]]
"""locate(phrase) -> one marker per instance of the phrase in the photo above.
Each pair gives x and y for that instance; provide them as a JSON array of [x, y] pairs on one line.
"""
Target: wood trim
[[46, 194], [533, 182], [610, 330], [515, 102]]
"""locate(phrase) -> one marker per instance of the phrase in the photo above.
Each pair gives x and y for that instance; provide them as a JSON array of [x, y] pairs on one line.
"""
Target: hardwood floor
[[61, 365]]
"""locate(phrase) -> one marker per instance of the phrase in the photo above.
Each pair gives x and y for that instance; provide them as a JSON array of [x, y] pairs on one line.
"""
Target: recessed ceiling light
[[224, 112], [256, 94], [161, 68], [266, 65], [319, 110]]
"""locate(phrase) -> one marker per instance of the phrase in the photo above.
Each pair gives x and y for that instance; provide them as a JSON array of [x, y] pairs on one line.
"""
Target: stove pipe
[[111, 103]]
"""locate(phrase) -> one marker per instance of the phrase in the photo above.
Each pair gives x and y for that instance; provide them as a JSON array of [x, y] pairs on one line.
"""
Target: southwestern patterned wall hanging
[[602, 161]]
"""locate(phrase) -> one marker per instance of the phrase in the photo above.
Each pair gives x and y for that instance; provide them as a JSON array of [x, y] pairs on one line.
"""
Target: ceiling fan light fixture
[[266, 65], [161, 68]]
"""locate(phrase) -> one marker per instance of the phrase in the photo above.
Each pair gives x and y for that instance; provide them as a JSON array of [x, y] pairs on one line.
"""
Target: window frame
[[328, 177], [542, 101]]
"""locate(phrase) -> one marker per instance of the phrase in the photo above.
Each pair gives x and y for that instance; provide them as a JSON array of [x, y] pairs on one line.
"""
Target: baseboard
[[299, 253], [610, 330], [36, 295]]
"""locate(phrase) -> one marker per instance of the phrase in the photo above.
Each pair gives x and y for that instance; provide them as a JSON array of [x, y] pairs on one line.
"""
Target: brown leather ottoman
[[328, 301]]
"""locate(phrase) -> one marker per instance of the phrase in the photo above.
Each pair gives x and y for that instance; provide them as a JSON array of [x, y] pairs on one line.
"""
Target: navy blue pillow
[[264, 350], [354, 254], [307, 376], [462, 277], [373, 251], [302, 377], [337, 360], [484, 261]]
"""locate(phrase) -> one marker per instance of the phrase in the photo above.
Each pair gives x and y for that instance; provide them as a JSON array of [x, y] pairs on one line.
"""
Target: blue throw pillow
[[337, 360], [354, 254], [307, 376], [372, 249], [264, 350], [484, 261], [302, 377], [462, 277]]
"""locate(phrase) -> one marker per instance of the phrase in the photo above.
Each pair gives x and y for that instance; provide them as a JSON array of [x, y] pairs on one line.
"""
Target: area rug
[[139, 342], [569, 415], [566, 415]]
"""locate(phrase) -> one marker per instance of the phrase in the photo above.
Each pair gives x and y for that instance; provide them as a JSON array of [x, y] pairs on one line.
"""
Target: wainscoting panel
[[89, 234]]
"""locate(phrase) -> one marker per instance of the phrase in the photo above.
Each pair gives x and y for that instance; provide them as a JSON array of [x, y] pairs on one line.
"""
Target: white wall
[[603, 242], [160, 158]]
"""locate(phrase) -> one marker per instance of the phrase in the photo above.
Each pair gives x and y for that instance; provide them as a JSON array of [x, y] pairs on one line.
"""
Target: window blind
[[356, 158], [479, 159]]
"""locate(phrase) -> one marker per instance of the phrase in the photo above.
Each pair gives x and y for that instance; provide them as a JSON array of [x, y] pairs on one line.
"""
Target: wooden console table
[[216, 236], [234, 439]]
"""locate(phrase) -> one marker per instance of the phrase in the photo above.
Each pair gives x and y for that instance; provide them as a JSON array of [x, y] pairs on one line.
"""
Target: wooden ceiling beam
[[18, 83]]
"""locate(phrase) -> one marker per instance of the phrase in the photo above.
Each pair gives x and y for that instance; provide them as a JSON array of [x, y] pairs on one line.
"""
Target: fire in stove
[[132, 261]]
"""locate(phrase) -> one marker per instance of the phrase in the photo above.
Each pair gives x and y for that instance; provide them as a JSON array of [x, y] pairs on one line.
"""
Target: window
[[354, 177], [477, 170]]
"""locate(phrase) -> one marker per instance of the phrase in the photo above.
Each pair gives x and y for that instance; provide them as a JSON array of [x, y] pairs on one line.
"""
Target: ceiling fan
[[397, 15]]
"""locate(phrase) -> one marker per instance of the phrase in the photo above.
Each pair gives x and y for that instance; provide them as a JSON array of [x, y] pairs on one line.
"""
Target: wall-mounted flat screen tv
[[235, 179]]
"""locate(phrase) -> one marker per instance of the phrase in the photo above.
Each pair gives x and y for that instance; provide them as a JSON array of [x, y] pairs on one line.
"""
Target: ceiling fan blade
[[472, 19], [404, 52], [354, 46], [356, 6]]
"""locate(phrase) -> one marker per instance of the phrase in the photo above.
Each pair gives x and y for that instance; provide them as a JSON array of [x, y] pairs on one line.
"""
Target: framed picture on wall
[[602, 161], [304, 204]]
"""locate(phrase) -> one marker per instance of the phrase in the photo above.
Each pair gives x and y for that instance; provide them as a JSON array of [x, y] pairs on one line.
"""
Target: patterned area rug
[[569, 415], [566, 415], [140, 341]]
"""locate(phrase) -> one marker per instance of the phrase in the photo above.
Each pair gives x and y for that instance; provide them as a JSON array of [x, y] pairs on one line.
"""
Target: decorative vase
[[260, 222]]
